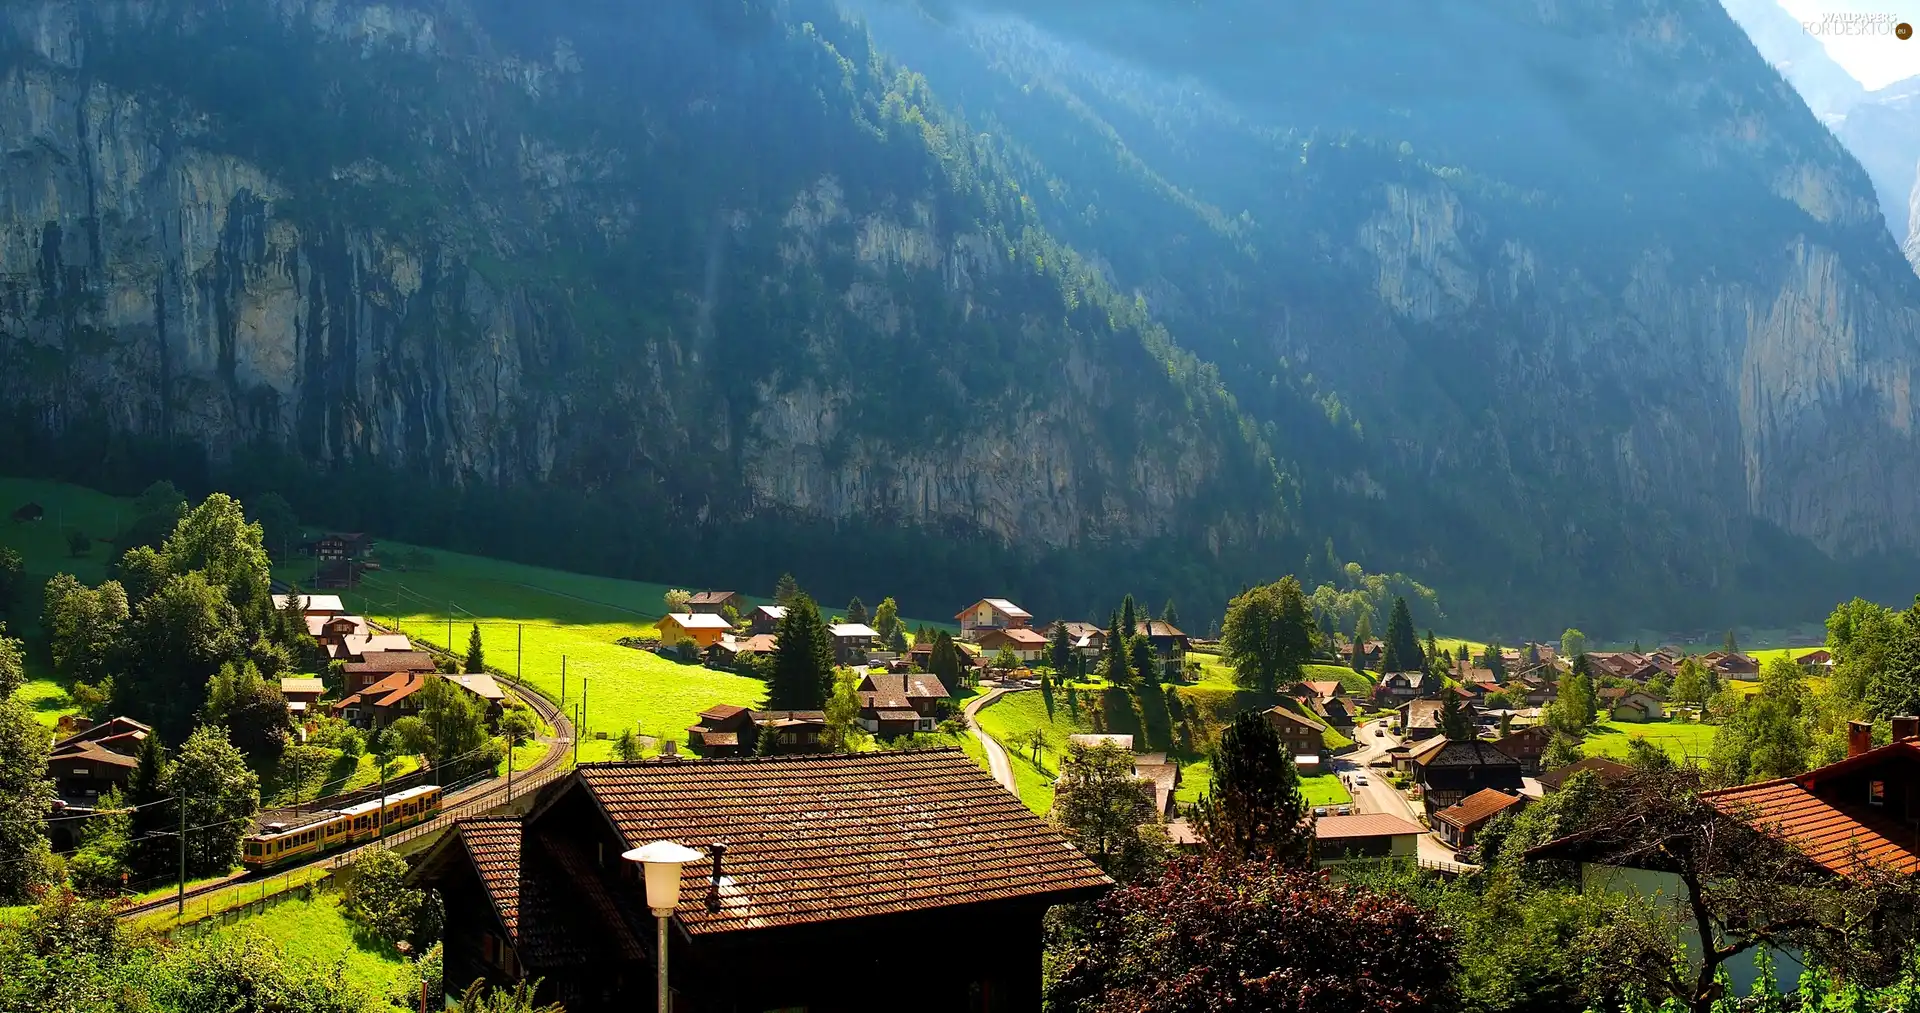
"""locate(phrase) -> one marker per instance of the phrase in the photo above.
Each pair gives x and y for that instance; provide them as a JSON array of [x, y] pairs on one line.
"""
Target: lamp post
[[661, 861]]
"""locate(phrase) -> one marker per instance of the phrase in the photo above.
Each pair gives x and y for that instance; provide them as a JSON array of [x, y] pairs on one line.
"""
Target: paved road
[[1379, 796], [997, 762]]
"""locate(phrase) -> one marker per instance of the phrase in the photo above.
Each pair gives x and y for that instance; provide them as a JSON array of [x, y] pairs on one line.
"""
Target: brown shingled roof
[[1477, 808], [1328, 828], [393, 661], [828, 837], [493, 843]]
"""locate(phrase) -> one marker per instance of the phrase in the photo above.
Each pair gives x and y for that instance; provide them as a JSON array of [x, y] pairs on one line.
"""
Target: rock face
[[1913, 223], [474, 248], [717, 290]]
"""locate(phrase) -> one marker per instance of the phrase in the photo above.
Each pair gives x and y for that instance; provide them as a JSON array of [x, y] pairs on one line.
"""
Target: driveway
[[997, 762]]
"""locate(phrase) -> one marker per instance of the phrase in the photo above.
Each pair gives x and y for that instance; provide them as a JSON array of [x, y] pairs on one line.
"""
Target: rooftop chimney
[[1906, 727], [718, 849], [1859, 737]]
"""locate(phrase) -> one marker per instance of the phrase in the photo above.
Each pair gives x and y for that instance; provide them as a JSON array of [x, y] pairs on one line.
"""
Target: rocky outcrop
[[1913, 226], [519, 277]]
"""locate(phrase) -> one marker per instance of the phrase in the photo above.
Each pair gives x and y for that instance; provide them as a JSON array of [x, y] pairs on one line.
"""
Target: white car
[[1361, 781]]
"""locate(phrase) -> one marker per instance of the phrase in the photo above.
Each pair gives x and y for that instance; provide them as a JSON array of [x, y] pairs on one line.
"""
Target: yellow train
[[330, 830]]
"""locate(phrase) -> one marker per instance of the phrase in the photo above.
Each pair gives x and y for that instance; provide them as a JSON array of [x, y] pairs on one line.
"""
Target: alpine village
[[959, 506]]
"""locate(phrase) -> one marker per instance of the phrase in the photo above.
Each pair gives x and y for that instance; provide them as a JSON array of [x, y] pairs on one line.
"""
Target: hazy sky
[[1874, 59]]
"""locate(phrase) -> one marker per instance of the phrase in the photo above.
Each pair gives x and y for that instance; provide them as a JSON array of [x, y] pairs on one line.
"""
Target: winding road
[[1378, 796], [997, 762]]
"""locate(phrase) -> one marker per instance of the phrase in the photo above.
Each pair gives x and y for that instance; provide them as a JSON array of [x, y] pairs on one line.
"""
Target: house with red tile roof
[[1027, 645], [809, 861], [1456, 824]]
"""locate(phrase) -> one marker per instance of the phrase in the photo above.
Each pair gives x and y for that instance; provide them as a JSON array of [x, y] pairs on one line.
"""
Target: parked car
[[1319, 810], [1346, 810]]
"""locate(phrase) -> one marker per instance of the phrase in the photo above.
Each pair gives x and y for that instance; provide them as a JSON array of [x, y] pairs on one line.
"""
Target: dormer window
[[1876, 793]]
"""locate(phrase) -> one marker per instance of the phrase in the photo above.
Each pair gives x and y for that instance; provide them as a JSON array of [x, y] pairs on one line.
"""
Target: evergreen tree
[[1733, 642], [1403, 645], [1497, 661], [476, 654], [946, 662], [857, 611], [1061, 650], [802, 659], [1116, 651], [1328, 641], [1046, 693], [1454, 721], [1129, 623], [1170, 615], [786, 590], [1254, 808], [1433, 649], [897, 640], [252, 710], [1143, 666], [146, 786], [1362, 632]]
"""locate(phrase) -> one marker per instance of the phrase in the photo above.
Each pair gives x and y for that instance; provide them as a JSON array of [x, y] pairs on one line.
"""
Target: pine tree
[[1433, 649], [802, 659], [1062, 649], [786, 590], [1129, 623], [1116, 651], [1254, 808], [1327, 638], [946, 662], [1170, 615], [1733, 642], [1403, 645], [857, 611], [476, 655], [1046, 693], [146, 787], [1362, 632], [1143, 666], [897, 640], [1454, 722]]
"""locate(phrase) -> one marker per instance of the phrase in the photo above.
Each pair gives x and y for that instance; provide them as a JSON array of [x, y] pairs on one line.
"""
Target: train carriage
[[284, 843]]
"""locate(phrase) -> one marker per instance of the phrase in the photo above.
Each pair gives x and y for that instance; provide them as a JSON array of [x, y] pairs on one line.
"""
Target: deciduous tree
[[10, 585], [1107, 812], [456, 721], [1253, 936], [212, 780], [84, 627], [251, 709], [886, 622], [26, 797], [676, 600], [1766, 736], [1268, 635], [13, 664], [1573, 643]]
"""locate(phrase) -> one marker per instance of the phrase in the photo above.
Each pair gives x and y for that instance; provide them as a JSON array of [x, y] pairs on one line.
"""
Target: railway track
[[471, 801]]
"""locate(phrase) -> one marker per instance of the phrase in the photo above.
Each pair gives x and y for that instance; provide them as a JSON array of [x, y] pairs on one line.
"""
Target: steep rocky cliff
[[1617, 317], [1577, 314], [715, 273]]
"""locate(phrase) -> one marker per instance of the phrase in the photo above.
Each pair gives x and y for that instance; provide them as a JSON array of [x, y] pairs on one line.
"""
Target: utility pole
[[449, 626], [519, 650], [509, 768], [180, 902], [563, 683], [582, 728]]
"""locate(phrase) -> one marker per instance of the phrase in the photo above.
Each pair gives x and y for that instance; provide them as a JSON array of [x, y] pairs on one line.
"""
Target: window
[[1876, 793], [80, 771]]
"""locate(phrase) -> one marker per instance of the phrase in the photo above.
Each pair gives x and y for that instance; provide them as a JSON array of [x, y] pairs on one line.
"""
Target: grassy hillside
[[316, 935], [44, 552]]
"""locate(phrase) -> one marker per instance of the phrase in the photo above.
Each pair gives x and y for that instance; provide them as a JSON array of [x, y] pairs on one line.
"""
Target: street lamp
[[662, 861]]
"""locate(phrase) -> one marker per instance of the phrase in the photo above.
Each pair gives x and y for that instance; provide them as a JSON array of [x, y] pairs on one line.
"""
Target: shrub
[[377, 898]]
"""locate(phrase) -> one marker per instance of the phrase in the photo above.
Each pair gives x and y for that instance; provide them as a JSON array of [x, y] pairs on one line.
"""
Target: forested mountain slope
[[1571, 313], [665, 288], [1617, 318]]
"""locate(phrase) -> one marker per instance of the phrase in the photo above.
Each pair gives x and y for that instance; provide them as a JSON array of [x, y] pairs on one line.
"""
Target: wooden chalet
[[92, 760], [1457, 769], [312, 605], [1527, 745], [1397, 688], [1300, 735], [1086, 639], [851, 642], [1456, 824], [893, 704], [829, 861], [1027, 645], [372, 668], [723, 730], [1622, 704], [1599, 766], [715, 603], [765, 619]]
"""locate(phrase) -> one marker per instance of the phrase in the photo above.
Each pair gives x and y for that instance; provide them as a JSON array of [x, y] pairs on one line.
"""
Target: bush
[[377, 898]]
